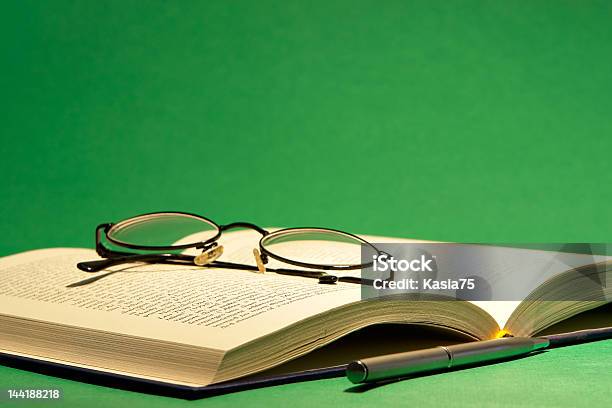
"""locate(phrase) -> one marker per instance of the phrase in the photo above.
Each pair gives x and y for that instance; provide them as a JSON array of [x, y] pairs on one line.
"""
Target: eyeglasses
[[162, 237]]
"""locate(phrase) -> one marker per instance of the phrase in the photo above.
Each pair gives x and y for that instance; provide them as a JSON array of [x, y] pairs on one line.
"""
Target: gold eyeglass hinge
[[208, 255]]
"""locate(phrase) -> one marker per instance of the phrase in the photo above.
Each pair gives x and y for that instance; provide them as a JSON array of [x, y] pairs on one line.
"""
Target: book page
[[215, 308]]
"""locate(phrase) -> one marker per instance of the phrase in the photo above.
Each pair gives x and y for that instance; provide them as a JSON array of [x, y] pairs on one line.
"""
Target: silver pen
[[398, 365]]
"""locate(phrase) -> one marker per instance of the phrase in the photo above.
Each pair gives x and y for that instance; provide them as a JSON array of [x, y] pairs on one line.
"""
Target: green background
[[470, 121]]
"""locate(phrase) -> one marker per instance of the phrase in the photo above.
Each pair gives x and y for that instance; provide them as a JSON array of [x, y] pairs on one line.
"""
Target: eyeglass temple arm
[[98, 265]]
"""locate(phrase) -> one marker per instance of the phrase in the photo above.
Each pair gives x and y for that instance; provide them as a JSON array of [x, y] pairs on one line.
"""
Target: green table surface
[[473, 121], [574, 376]]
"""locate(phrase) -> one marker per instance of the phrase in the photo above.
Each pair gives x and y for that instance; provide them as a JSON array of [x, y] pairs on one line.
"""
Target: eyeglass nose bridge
[[243, 224], [261, 258]]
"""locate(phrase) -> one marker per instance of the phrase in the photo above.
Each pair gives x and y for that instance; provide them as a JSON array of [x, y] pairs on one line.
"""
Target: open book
[[197, 326]]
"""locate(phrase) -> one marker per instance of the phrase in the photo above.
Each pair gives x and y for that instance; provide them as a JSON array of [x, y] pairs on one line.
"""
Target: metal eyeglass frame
[[211, 251]]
